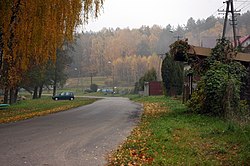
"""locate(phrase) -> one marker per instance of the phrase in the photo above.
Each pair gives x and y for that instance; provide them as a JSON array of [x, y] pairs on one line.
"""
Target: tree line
[[135, 51], [35, 44]]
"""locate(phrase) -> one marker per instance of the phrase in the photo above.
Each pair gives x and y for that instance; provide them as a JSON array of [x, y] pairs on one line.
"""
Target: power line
[[238, 7], [244, 2], [245, 6], [218, 9]]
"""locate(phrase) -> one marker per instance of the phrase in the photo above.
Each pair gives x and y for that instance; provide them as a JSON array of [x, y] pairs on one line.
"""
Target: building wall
[[155, 88], [246, 43]]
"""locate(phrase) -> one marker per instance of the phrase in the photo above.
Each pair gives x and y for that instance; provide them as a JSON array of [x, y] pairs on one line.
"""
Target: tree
[[190, 24], [150, 75], [95, 49], [49, 74], [165, 38], [32, 28], [58, 69], [143, 48], [172, 75]]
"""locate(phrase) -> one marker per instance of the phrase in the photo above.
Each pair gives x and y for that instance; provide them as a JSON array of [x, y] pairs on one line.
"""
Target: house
[[245, 42]]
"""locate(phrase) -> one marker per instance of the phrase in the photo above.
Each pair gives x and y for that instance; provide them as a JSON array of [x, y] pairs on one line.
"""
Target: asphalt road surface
[[78, 137]]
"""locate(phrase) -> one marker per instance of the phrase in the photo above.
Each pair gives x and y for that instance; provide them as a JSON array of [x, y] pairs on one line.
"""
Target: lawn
[[30, 108], [169, 135]]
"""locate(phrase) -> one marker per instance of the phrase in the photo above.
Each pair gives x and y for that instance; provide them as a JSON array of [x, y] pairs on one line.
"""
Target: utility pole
[[91, 78], [178, 37], [231, 10], [225, 21], [233, 23]]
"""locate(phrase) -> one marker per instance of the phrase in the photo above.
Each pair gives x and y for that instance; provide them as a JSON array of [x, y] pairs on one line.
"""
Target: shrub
[[150, 75], [218, 92], [196, 103]]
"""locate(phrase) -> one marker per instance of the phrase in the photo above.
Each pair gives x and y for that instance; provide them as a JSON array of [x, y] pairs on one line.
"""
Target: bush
[[197, 101], [218, 92], [150, 75], [88, 91]]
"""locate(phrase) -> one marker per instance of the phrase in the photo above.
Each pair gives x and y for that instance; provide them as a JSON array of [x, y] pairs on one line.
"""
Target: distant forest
[[132, 52]]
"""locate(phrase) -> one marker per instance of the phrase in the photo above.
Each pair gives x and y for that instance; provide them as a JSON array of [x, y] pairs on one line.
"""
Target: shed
[[153, 88]]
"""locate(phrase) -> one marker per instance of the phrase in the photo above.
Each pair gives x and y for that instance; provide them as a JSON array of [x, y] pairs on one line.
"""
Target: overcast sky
[[135, 13]]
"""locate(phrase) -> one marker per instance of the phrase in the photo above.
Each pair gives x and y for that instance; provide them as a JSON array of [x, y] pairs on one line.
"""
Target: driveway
[[77, 137]]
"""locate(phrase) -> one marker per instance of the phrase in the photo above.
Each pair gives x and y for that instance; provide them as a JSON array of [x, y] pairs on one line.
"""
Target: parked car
[[64, 96]]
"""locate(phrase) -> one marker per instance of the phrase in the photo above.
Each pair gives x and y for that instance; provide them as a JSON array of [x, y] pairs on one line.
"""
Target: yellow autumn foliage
[[154, 109], [35, 29], [29, 115]]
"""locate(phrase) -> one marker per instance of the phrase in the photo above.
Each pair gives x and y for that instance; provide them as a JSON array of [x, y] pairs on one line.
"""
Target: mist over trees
[[134, 51]]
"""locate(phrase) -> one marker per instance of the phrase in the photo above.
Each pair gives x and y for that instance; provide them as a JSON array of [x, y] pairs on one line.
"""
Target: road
[[77, 137]]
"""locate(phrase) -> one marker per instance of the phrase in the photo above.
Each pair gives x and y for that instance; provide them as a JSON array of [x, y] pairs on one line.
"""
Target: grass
[[101, 81], [168, 135], [30, 108], [86, 81], [78, 85]]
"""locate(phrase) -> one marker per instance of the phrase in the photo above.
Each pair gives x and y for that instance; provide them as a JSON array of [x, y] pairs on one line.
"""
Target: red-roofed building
[[245, 42]]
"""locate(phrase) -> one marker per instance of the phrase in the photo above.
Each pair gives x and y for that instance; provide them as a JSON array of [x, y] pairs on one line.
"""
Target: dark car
[[64, 96]]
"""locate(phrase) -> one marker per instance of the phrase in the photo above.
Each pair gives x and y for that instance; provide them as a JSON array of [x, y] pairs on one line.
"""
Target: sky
[[136, 13]]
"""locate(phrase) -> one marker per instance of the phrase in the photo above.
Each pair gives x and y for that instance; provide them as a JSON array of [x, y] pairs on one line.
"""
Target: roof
[[205, 52], [243, 39]]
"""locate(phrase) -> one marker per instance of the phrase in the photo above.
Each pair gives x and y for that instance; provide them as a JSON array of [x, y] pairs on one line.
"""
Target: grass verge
[[30, 108], [168, 135]]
